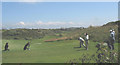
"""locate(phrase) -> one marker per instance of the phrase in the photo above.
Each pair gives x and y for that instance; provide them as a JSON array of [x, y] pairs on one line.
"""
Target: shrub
[[104, 55]]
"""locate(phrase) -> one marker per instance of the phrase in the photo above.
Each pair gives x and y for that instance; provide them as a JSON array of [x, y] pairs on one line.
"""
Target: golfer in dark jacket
[[6, 47], [27, 46]]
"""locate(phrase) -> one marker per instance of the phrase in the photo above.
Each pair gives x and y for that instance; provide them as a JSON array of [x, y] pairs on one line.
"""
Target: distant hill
[[100, 33], [112, 23]]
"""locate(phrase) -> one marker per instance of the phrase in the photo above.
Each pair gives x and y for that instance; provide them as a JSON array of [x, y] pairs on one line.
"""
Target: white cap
[[110, 30]]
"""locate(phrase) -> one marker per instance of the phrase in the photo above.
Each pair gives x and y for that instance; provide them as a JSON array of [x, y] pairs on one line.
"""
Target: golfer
[[112, 38], [86, 40], [26, 47], [6, 47], [81, 41]]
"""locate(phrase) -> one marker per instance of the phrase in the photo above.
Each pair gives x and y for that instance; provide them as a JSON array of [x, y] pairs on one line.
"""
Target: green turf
[[45, 52]]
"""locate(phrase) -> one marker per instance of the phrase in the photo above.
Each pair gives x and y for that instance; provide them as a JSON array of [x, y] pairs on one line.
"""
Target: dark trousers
[[6, 49], [81, 43], [86, 42], [112, 41], [112, 46]]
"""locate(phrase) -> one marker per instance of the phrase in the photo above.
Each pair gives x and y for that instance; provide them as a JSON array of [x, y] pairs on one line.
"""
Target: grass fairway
[[45, 52]]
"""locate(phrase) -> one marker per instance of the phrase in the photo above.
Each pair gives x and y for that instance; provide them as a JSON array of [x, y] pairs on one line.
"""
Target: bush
[[104, 55]]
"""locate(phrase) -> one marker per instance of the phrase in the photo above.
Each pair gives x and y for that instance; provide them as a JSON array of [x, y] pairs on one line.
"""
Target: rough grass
[[46, 52]]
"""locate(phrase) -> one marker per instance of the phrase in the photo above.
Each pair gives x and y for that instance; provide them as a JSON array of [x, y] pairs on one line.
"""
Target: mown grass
[[46, 52]]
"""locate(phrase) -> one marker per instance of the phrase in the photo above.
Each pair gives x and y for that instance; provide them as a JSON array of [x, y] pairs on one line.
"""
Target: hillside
[[99, 33]]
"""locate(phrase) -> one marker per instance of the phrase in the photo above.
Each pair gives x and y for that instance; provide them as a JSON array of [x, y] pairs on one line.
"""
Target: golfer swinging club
[[81, 41]]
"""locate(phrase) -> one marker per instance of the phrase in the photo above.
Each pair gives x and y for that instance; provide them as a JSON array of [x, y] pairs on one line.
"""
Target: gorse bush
[[103, 55]]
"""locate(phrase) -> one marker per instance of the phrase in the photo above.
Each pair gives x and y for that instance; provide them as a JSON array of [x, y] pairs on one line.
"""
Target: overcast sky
[[57, 14]]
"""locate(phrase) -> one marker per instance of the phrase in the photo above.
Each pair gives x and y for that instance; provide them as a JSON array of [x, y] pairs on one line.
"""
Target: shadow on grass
[[5, 50], [81, 50], [76, 47]]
